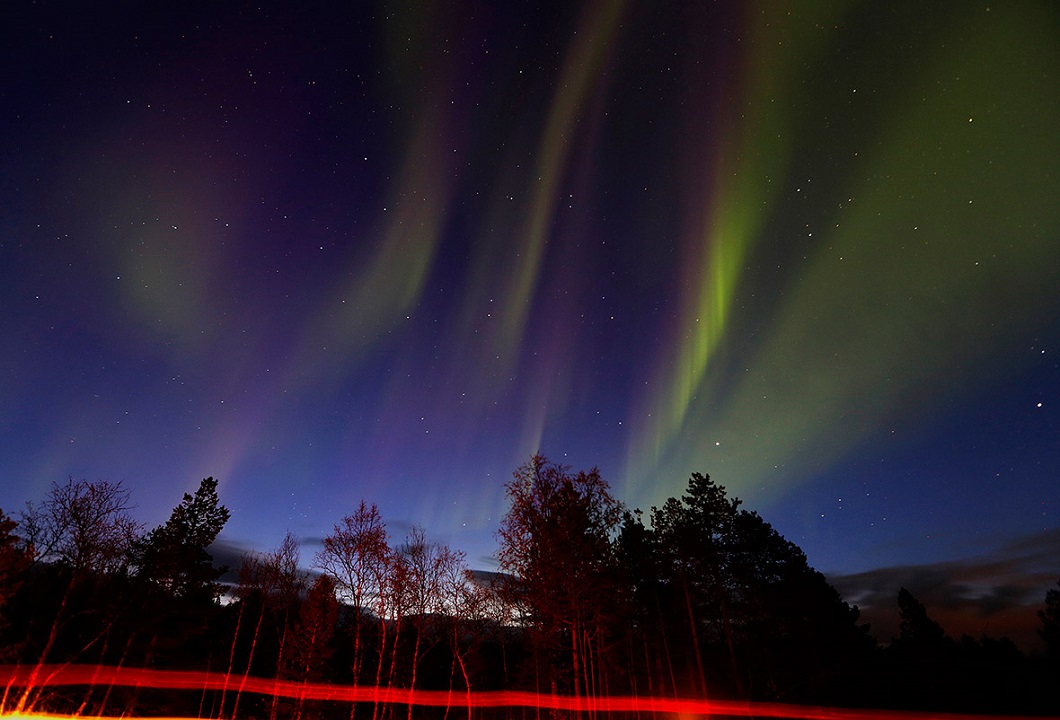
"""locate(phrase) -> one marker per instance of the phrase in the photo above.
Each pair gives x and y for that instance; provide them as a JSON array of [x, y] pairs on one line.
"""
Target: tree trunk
[[463, 671], [250, 659], [379, 667], [279, 662], [415, 666], [53, 633], [575, 641], [728, 641], [695, 637], [232, 652]]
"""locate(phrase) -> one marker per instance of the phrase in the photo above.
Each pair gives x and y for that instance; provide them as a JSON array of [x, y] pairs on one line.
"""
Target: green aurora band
[[943, 248]]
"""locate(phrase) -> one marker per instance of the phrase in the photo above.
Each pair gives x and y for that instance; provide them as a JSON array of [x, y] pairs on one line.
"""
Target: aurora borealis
[[387, 252]]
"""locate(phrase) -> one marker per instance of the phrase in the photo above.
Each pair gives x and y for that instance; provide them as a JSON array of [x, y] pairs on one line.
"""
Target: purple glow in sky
[[384, 252]]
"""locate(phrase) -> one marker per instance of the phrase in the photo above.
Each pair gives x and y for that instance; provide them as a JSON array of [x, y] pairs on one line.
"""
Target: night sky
[[386, 252]]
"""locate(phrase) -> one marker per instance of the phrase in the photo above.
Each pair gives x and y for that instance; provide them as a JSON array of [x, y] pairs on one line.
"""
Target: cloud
[[993, 594], [229, 554]]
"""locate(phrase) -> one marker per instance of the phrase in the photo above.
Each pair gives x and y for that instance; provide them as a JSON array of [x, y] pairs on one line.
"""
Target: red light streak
[[91, 675]]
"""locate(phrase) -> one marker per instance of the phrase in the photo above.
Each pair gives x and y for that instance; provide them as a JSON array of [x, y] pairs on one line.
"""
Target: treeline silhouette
[[696, 598]]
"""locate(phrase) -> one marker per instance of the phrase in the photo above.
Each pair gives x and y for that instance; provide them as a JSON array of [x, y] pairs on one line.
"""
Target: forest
[[696, 598]]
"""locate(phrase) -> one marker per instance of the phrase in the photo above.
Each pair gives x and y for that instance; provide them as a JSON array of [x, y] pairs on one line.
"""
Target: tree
[[1050, 617], [14, 559], [556, 541], [177, 581], [916, 630], [310, 647], [288, 583], [83, 525], [82, 534], [694, 534], [427, 578], [270, 585], [357, 557], [795, 634], [649, 630], [174, 555], [467, 616], [747, 596]]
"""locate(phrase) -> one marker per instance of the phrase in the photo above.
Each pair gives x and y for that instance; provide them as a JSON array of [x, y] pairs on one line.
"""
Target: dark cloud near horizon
[[1000, 589], [1011, 575]]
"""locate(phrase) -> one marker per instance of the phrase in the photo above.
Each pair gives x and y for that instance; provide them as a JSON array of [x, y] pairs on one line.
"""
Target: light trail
[[98, 675]]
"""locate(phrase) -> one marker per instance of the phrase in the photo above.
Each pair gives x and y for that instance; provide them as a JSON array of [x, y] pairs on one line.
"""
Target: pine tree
[[178, 580], [174, 555], [14, 559], [1050, 617], [916, 630]]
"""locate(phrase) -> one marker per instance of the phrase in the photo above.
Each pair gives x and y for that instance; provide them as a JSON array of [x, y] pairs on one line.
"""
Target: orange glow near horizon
[[98, 675]]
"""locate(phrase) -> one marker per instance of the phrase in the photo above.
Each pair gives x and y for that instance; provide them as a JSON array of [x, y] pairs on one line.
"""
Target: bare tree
[[290, 583], [429, 578], [84, 525], [468, 615], [272, 582], [356, 555], [310, 646]]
